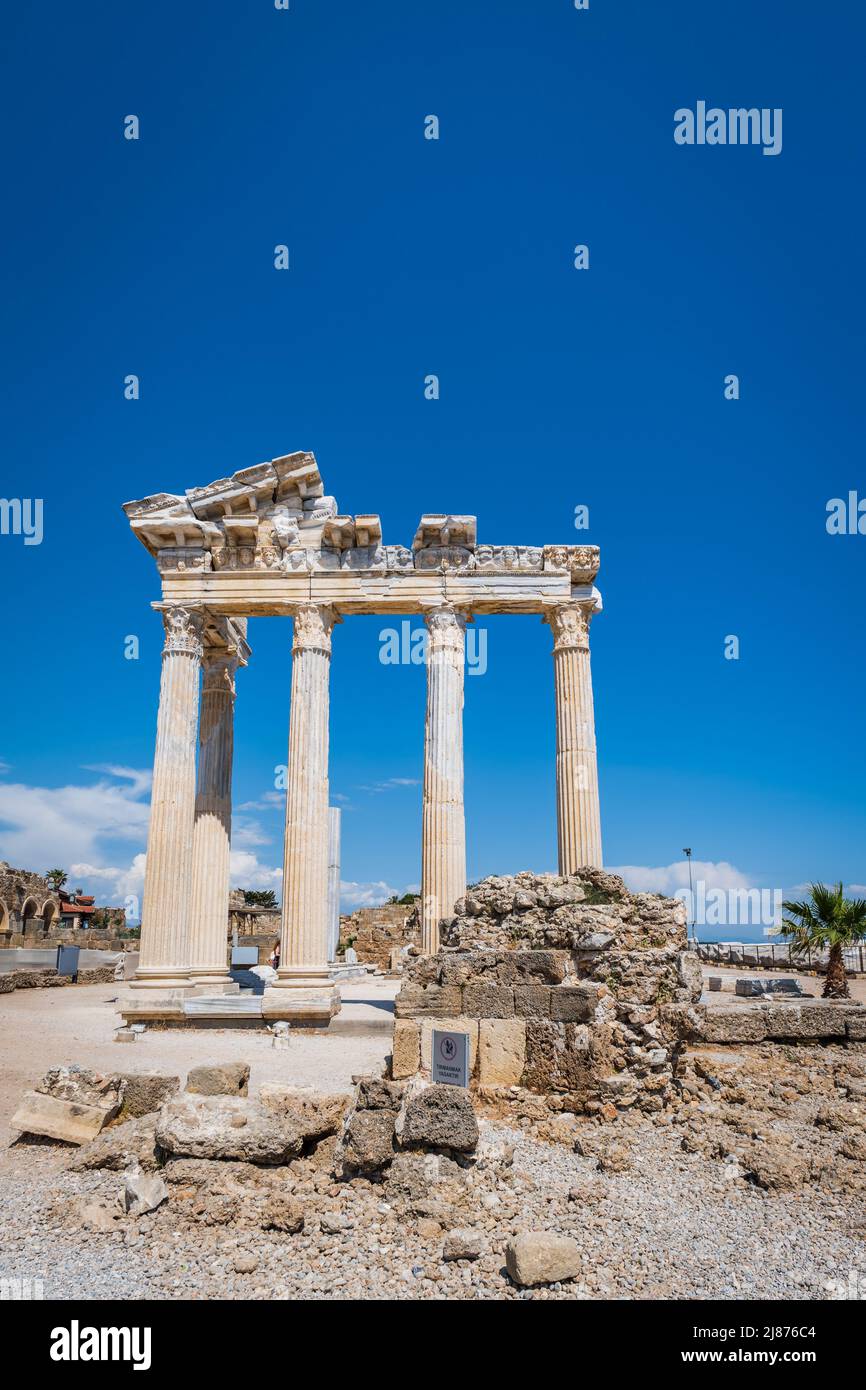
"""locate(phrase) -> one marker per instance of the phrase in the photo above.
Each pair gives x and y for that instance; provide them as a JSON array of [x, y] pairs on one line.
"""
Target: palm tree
[[826, 919], [57, 878]]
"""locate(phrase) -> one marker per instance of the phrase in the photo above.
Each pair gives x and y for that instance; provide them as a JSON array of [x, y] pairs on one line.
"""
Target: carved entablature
[[580, 561], [276, 517]]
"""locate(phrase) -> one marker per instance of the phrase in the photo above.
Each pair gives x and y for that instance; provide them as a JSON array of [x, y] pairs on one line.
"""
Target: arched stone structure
[[29, 916], [5, 920], [268, 542], [50, 915]]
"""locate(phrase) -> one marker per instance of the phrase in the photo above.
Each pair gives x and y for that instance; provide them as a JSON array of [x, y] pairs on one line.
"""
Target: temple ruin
[[268, 542]]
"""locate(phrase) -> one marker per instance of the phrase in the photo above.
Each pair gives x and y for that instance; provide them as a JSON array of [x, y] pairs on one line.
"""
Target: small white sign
[[450, 1058]]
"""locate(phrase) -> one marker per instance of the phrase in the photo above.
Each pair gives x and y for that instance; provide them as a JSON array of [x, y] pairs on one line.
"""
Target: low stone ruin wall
[[561, 985], [381, 933], [11, 980]]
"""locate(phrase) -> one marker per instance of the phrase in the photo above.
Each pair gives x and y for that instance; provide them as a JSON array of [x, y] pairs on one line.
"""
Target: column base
[[213, 982], [299, 1005], [302, 977], [172, 982]]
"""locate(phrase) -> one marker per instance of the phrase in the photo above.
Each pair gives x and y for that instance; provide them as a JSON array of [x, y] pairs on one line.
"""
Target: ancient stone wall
[[561, 985], [28, 904], [381, 933]]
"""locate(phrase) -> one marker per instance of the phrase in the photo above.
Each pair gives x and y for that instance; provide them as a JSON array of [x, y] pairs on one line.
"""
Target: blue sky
[[558, 387]]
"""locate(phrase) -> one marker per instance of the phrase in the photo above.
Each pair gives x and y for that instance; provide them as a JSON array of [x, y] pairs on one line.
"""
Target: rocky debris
[[608, 1150], [440, 1117], [127, 1145], [368, 1139], [224, 1079], [144, 1092], [225, 1127], [69, 1105], [314, 1115], [541, 1257], [142, 1193], [95, 1216], [463, 1243], [376, 1093], [281, 1214]]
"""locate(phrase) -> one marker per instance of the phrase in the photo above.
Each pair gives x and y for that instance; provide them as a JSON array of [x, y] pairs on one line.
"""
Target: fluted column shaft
[[304, 935], [168, 872], [211, 843], [443, 851], [577, 803], [334, 819]]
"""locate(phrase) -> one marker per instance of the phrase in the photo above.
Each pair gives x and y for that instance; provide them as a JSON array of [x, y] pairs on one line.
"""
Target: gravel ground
[[673, 1226]]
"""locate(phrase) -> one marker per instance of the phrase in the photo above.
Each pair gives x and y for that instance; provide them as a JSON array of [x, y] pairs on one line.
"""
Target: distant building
[[30, 907]]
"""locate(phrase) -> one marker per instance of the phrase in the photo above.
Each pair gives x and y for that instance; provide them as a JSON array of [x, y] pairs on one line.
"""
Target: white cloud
[[123, 883], [246, 872], [355, 895], [857, 887], [4, 767], [44, 826], [670, 877]]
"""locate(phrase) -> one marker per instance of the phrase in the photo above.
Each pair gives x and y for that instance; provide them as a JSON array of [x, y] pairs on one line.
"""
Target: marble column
[[168, 874], [304, 932], [212, 831], [334, 818], [443, 849], [577, 808]]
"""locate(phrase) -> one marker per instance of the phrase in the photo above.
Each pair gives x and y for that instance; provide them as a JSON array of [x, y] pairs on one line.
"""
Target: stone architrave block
[[501, 1051], [734, 1025]]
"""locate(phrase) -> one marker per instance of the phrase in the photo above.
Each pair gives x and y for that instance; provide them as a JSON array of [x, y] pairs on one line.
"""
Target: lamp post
[[688, 854]]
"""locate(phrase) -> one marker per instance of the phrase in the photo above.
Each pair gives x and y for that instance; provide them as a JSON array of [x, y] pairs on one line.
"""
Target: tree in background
[[827, 920]]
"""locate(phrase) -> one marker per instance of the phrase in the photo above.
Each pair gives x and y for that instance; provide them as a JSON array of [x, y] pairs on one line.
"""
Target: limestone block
[[439, 1117], [226, 1127], [369, 1140], [532, 1001], [69, 1121], [416, 1001], [488, 1001], [223, 1079], [541, 1257], [806, 1021], [855, 1025], [460, 1024], [733, 1025], [142, 1194], [144, 1092], [313, 1115], [501, 1051], [405, 1049], [572, 1003]]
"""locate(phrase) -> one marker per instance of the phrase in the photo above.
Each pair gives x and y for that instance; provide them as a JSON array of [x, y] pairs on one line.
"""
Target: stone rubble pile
[[561, 984]]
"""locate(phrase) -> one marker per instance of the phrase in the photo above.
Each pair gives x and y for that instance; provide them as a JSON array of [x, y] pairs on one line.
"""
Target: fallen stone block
[[440, 1117], [144, 1092], [311, 1114], [224, 1079], [128, 1145], [541, 1257], [368, 1142], [68, 1121], [226, 1127], [376, 1093], [733, 1025]]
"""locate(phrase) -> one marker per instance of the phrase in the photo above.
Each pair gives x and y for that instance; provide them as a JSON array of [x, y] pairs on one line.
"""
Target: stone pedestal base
[[206, 989], [301, 1006]]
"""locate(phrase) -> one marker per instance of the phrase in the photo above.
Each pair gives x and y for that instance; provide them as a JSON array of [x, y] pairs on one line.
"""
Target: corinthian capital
[[446, 626], [570, 624], [219, 668], [183, 630], [313, 625]]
